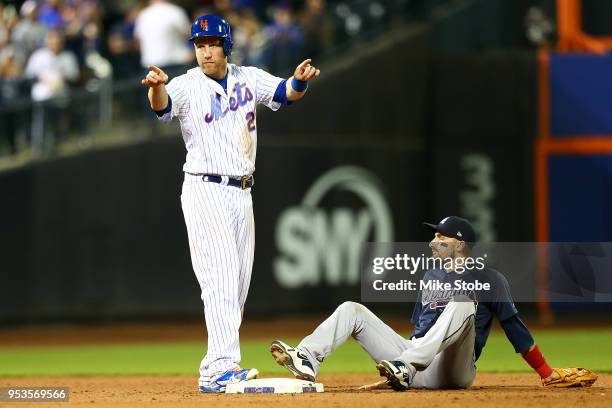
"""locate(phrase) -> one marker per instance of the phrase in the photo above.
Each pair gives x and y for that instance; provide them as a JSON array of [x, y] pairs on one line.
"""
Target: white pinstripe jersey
[[219, 129]]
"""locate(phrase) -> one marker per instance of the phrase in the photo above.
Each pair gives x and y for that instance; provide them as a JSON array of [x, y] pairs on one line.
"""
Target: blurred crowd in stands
[[48, 46], [61, 54]]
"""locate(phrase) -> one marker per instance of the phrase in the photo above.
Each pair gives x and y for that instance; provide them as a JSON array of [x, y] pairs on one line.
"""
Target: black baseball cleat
[[293, 360], [399, 375]]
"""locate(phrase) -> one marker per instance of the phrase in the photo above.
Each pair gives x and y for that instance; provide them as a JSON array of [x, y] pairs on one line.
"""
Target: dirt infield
[[490, 390]]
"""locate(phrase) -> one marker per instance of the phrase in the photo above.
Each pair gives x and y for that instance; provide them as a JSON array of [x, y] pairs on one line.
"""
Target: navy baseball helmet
[[213, 26]]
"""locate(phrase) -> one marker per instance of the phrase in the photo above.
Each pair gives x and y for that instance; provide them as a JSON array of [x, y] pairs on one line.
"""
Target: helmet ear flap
[[228, 43]]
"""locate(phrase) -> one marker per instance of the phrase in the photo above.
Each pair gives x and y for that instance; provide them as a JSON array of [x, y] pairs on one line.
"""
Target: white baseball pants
[[221, 232], [444, 356]]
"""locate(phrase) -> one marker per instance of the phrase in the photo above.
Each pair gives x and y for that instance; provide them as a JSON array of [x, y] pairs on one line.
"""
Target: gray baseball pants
[[443, 357]]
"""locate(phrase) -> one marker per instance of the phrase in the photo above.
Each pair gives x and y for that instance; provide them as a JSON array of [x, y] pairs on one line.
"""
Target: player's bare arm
[[303, 73], [156, 80]]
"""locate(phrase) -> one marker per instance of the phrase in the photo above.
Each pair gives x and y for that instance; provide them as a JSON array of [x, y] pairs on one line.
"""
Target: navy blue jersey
[[496, 302]]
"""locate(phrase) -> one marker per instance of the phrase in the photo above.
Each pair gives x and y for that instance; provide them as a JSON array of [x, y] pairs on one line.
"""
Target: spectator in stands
[[11, 67], [50, 14], [8, 18], [284, 40], [11, 70], [28, 34], [88, 22], [11, 59], [83, 37], [82, 27], [222, 7], [162, 29], [123, 45], [251, 5], [4, 31], [248, 37], [10, 80], [52, 67], [318, 26]]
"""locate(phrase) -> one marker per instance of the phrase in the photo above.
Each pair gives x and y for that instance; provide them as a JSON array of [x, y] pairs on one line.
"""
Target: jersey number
[[250, 118]]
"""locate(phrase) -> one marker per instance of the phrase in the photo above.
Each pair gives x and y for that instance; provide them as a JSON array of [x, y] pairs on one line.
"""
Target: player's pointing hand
[[155, 77], [305, 71]]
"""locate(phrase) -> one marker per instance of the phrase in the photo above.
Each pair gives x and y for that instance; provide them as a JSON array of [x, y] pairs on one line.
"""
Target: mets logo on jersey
[[204, 25], [241, 95]]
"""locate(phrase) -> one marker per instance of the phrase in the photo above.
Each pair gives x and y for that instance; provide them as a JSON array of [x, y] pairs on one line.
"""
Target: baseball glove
[[571, 377]]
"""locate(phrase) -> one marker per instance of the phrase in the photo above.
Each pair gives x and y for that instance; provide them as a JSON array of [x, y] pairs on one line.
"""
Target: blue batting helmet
[[213, 26]]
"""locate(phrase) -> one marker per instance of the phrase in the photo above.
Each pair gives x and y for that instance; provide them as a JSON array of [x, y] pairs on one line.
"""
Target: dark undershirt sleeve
[[518, 334]]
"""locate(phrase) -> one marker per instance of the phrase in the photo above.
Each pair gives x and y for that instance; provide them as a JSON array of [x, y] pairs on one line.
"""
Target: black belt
[[242, 182]]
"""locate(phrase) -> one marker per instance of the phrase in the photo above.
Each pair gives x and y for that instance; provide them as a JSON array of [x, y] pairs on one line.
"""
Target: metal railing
[[104, 111], [101, 112]]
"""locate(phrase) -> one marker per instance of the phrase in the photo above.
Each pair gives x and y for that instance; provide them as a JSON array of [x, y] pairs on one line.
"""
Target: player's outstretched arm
[[298, 83], [523, 342], [564, 377], [156, 80]]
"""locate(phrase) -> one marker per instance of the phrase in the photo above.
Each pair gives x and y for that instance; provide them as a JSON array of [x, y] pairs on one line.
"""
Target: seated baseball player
[[450, 329]]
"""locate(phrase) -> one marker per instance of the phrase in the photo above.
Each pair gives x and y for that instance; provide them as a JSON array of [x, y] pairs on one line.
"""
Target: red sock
[[536, 360]]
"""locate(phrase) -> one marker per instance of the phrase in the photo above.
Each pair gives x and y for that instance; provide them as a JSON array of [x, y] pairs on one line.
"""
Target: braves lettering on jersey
[[219, 128], [495, 303]]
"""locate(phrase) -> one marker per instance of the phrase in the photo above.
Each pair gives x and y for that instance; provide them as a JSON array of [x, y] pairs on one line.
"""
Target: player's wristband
[[298, 85], [536, 360]]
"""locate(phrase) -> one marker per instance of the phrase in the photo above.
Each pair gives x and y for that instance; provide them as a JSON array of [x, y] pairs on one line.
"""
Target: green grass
[[588, 348]]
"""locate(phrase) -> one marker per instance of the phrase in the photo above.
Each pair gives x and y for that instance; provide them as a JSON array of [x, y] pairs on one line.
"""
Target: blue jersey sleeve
[[502, 305], [280, 95], [517, 333]]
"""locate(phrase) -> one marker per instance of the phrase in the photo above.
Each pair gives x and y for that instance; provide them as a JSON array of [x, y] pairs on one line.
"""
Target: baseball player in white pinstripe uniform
[[215, 104]]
